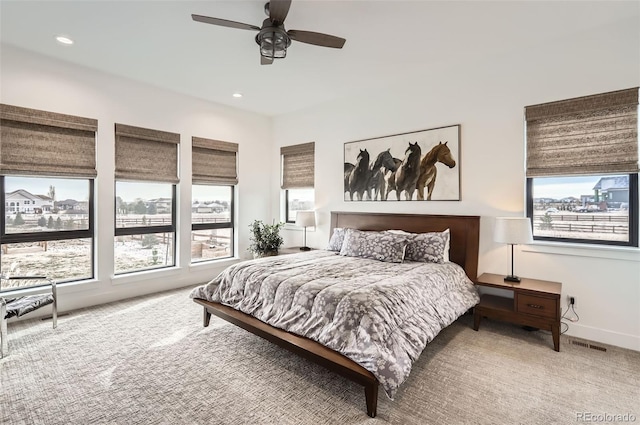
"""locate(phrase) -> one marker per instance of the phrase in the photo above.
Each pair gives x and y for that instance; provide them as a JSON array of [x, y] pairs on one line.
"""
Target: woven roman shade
[[587, 135], [41, 143], [145, 154], [298, 165], [214, 161]]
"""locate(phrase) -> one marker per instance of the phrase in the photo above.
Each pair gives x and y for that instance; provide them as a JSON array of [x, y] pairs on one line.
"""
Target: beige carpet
[[149, 361]]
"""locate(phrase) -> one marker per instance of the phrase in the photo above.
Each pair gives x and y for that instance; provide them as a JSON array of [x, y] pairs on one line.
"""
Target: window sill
[[65, 287], [134, 277], [213, 263], [622, 253]]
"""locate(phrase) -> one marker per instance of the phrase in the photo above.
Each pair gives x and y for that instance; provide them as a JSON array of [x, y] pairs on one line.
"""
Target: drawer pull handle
[[535, 306]]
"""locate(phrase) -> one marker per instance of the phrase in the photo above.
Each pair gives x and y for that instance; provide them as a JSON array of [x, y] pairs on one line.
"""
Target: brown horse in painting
[[428, 170], [406, 176]]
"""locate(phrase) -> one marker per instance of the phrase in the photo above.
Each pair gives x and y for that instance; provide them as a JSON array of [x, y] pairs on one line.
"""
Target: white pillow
[[336, 240]]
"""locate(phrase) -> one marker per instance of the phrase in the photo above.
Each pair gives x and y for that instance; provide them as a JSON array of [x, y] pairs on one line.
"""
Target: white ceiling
[[387, 42]]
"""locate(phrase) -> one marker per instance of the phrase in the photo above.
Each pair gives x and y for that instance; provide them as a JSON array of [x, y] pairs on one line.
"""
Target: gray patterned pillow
[[337, 238], [381, 246], [432, 247]]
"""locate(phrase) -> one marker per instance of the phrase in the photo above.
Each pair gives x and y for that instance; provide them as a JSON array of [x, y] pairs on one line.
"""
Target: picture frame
[[416, 166]]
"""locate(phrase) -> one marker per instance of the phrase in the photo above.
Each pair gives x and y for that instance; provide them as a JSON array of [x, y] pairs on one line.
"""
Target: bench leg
[[54, 307], [371, 396], [4, 343]]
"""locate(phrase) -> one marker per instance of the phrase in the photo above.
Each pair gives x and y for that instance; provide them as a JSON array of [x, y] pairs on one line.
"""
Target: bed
[[338, 353]]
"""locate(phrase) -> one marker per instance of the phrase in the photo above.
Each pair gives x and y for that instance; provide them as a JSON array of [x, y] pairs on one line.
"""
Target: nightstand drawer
[[537, 306]]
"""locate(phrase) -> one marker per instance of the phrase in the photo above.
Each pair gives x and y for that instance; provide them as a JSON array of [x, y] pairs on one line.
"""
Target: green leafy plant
[[265, 239]]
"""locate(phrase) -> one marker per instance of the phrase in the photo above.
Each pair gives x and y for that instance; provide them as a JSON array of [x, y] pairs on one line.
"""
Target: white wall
[[487, 98], [38, 82]]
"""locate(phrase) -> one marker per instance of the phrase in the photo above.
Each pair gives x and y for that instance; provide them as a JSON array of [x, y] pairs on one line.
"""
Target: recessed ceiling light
[[237, 95], [64, 40]]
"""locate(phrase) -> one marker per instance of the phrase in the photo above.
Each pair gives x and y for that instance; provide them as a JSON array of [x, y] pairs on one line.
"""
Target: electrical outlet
[[571, 300]]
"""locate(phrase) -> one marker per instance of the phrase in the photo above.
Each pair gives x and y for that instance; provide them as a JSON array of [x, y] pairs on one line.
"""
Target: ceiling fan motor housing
[[273, 40]]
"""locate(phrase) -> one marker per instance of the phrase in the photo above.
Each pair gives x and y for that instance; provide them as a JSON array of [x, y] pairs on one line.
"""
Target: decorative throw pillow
[[381, 246], [431, 247], [337, 238]]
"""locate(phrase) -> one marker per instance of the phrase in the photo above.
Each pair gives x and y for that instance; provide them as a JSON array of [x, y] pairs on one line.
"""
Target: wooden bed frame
[[465, 231]]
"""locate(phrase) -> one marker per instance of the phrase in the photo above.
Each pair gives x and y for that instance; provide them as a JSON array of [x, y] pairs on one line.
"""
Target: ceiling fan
[[272, 38]]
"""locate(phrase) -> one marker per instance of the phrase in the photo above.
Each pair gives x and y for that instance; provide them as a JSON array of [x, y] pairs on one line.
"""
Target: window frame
[[286, 202], [286, 207], [146, 230], [54, 235], [225, 225], [634, 214]]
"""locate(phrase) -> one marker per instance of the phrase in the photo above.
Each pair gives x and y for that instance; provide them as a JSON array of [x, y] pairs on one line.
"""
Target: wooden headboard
[[465, 231]]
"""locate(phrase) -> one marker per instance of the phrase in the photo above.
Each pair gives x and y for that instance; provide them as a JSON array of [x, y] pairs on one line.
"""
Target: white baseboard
[[632, 342]]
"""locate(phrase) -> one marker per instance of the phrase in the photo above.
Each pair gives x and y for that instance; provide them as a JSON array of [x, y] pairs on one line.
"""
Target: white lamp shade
[[513, 230], [306, 218]]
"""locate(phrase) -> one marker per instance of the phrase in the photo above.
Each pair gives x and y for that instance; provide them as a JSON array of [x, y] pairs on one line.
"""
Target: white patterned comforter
[[380, 315]]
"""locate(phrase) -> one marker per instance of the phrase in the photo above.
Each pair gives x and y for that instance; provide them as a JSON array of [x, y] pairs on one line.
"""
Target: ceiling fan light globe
[[274, 45]]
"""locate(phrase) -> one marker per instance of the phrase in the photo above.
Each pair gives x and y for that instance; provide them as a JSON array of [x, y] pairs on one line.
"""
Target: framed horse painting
[[418, 166]]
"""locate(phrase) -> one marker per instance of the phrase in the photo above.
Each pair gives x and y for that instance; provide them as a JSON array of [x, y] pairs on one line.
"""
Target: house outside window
[[582, 169], [37, 238], [298, 179], [214, 176], [145, 189]]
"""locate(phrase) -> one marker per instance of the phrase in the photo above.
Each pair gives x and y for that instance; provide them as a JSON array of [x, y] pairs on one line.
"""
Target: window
[[594, 209], [47, 194], [146, 177], [212, 222], [145, 230], [297, 200], [48, 241], [298, 178], [214, 168], [582, 169]]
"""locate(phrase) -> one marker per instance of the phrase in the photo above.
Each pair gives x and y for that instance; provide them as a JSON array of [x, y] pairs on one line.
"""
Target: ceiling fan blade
[[317, 38], [265, 60], [224, 23], [278, 10]]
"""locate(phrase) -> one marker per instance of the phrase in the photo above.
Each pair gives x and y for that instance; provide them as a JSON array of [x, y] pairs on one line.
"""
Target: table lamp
[[513, 231], [305, 219]]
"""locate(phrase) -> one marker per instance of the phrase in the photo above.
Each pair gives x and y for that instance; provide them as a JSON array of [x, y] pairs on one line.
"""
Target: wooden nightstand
[[535, 303]]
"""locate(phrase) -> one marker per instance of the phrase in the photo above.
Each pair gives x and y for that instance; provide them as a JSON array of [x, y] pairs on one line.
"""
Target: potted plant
[[265, 239]]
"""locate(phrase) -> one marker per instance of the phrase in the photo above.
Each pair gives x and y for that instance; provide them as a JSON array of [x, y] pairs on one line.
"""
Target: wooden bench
[[12, 305]]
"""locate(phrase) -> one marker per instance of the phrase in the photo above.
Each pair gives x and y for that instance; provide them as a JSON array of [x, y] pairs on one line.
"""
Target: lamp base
[[512, 278], [305, 248]]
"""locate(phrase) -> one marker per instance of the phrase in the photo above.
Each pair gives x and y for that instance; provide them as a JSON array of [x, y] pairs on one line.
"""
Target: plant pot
[[265, 254]]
